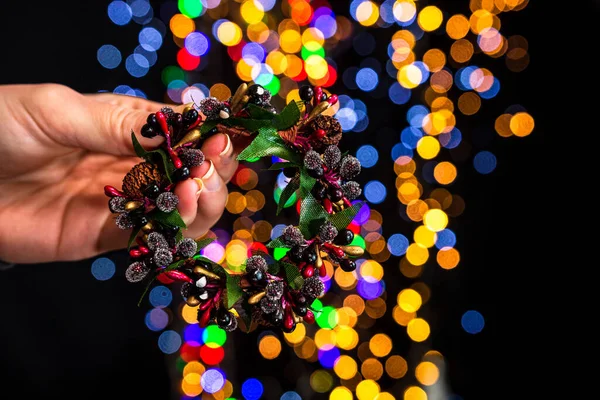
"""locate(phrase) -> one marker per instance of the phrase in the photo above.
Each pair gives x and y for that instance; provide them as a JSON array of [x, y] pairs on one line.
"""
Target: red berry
[[309, 317], [111, 191], [332, 99], [308, 271], [162, 122], [135, 253], [322, 271]]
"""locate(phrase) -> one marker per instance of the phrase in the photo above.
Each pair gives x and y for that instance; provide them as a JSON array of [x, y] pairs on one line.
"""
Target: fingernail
[[211, 180], [200, 186], [227, 153]]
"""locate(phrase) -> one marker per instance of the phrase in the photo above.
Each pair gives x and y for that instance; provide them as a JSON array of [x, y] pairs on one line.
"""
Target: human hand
[[59, 148]]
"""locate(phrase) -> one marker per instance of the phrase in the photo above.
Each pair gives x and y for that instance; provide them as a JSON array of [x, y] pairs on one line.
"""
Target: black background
[[64, 333]]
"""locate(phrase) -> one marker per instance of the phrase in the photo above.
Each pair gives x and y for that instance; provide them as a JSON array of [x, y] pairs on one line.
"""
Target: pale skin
[[59, 148]]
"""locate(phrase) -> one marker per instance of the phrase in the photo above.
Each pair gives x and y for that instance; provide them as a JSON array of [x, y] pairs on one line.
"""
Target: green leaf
[[268, 143], [287, 192], [343, 218], [312, 216], [307, 183], [168, 166], [174, 265], [207, 126], [216, 268], [178, 236], [132, 237], [139, 150], [274, 268], [246, 315], [234, 291], [292, 275], [282, 165], [171, 219], [277, 242], [202, 243], [252, 125], [288, 117], [257, 112]]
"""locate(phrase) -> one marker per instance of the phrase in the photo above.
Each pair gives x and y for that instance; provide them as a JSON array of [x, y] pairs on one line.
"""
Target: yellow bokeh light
[[277, 61], [346, 337], [252, 12], [469, 103], [435, 59], [367, 390], [346, 317], [193, 367], [313, 39], [502, 125], [244, 70], [345, 367], [461, 51], [367, 13], [258, 32], [425, 237], [269, 347], [255, 200], [316, 66], [430, 18], [409, 300], [427, 373], [404, 10], [457, 26], [229, 33], [435, 122], [417, 254], [325, 339], [380, 345], [340, 393], [181, 26], [415, 393], [371, 270], [410, 76], [236, 253], [356, 303], [418, 329], [428, 147], [396, 367], [236, 202], [345, 280], [385, 396], [448, 258], [297, 336], [403, 38], [189, 314], [416, 209], [376, 308], [521, 124], [290, 41], [191, 390], [307, 349], [321, 381], [445, 173], [436, 220], [371, 368], [193, 378]]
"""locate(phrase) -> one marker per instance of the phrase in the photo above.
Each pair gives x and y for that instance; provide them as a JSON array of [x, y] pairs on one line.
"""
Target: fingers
[[202, 199], [220, 150], [127, 101]]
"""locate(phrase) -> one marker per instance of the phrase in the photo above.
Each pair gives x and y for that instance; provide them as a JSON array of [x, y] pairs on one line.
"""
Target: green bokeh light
[[273, 86], [291, 201], [327, 318], [307, 53], [172, 73], [213, 336], [358, 241], [190, 8], [280, 252]]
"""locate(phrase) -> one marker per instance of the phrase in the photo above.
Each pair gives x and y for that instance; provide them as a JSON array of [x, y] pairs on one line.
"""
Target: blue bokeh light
[[325, 22], [472, 322], [375, 192], [398, 93], [291, 395], [197, 44], [347, 118], [492, 91], [252, 389], [160, 296], [124, 89], [150, 56], [397, 244], [156, 319], [367, 79], [416, 114], [367, 155], [212, 380], [150, 39], [369, 290], [193, 333], [103, 268], [484, 162], [328, 357], [451, 139], [109, 56], [119, 12], [169, 342], [410, 137], [445, 239], [400, 150], [137, 65]]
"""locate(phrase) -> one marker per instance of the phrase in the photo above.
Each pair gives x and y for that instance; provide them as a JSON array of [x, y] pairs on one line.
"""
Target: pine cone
[[332, 128], [140, 176]]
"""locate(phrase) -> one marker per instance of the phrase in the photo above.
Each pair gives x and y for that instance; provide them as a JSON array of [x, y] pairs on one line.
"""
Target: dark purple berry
[[344, 237], [310, 256], [257, 276], [335, 194], [323, 96], [352, 190], [301, 310], [152, 191], [167, 202], [317, 172], [306, 93], [148, 131], [223, 318], [190, 116], [319, 191], [151, 120], [347, 265], [296, 254], [181, 174]]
